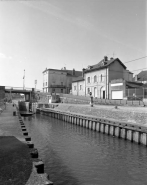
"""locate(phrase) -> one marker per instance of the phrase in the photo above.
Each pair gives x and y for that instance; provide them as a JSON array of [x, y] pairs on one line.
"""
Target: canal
[[74, 155]]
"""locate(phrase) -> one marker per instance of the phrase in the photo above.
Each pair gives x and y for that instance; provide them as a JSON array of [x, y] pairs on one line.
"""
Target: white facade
[[97, 79], [95, 82], [45, 81], [78, 88], [58, 81]]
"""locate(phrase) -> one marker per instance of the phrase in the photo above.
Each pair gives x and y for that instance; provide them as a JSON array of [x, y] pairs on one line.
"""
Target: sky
[[40, 34]]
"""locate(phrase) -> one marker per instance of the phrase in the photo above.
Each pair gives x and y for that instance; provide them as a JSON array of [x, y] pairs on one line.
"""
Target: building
[[59, 81], [122, 89], [141, 77], [96, 78]]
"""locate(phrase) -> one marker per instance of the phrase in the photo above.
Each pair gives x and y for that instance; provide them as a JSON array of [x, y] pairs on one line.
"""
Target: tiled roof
[[77, 73], [69, 72], [142, 76], [102, 64], [76, 79], [131, 84]]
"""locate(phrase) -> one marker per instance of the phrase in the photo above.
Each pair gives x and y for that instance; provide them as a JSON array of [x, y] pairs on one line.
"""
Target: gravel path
[[136, 115]]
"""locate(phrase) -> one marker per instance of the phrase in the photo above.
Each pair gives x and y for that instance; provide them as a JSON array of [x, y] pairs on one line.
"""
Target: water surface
[[74, 155]]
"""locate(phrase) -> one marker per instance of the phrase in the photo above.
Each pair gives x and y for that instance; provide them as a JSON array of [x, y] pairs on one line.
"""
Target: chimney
[[136, 78], [73, 72], [83, 72], [105, 58]]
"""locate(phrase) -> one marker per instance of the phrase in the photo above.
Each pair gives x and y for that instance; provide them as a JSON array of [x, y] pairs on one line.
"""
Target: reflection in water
[[74, 155]]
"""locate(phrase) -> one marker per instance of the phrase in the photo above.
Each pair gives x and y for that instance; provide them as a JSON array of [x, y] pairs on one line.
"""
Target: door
[[103, 94], [117, 95]]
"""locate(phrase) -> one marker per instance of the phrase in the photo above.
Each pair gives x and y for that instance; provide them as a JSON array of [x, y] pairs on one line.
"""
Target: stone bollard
[[30, 144], [24, 129], [14, 113], [91, 100], [48, 182], [34, 153], [27, 138], [25, 133], [39, 166]]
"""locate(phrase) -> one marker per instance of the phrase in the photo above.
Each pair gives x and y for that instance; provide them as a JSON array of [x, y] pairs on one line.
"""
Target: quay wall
[[128, 131]]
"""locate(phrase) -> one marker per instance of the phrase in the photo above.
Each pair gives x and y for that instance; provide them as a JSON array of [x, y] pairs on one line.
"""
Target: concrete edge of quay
[[37, 176], [128, 131]]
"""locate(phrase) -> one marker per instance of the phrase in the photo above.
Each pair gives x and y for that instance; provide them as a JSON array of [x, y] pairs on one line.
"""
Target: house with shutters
[[97, 79]]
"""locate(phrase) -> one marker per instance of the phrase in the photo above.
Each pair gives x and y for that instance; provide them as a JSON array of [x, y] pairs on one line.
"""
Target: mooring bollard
[[34, 153], [48, 182], [91, 99], [27, 138], [40, 167], [30, 144], [25, 133], [24, 129]]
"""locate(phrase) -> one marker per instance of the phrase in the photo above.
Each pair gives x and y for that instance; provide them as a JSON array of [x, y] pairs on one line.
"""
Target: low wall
[[73, 99], [96, 101], [128, 131]]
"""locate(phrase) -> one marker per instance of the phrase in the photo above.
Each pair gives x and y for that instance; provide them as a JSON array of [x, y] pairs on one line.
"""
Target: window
[[101, 77], [46, 83], [74, 88], [61, 90], [88, 80], [80, 87], [88, 90], [61, 83], [95, 78]]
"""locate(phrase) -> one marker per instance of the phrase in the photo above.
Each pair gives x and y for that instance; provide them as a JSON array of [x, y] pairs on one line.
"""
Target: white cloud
[[3, 56]]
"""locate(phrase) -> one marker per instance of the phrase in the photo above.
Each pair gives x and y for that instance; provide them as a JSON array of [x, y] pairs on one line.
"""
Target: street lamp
[[24, 80], [35, 84]]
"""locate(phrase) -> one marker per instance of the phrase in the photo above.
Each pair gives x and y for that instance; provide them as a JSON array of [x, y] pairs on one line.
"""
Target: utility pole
[[24, 80], [113, 54], [35, 84]]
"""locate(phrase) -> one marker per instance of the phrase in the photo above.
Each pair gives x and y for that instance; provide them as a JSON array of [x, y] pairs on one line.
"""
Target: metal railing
[[136, 94], [17, 88]]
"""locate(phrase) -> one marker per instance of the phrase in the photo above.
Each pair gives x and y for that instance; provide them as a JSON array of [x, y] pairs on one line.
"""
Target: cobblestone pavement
[[136, 115]]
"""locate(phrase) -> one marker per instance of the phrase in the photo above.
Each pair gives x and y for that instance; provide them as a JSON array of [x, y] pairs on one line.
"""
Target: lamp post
[[35, 84], [24, 80]]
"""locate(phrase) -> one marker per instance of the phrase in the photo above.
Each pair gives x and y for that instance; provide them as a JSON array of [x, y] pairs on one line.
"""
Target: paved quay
[[135, 115], [15, 160], [17, 167], [9, 124]]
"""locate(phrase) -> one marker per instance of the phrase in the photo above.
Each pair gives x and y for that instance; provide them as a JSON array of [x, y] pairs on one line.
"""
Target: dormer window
[[90, 67]]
